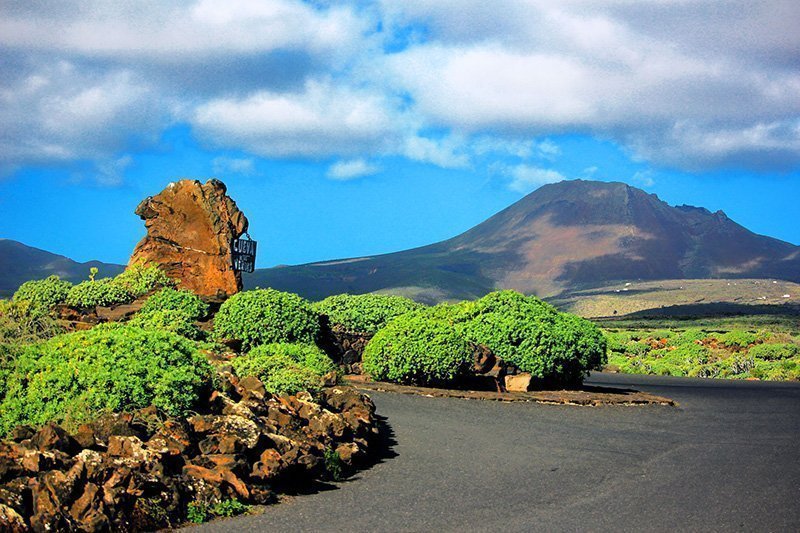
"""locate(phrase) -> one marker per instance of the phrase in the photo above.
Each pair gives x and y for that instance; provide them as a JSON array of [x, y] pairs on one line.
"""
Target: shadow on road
[[382, 449]]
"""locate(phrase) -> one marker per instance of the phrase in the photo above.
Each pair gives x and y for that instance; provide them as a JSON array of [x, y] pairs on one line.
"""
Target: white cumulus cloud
[[322, 120], [352, 169], [525, 178], [691, 85]]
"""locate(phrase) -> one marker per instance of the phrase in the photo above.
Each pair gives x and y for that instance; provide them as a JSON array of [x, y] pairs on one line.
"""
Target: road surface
[[726, 459]]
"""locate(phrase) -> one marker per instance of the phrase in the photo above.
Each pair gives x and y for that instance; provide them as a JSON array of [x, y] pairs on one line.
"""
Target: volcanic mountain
[[562, 237], [20, 263]]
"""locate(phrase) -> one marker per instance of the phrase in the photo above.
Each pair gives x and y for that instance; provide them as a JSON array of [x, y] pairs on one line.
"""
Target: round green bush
[[691, 335], [88, 294], [363, 313], [285, 367], [169, 299], [111, 367], [775, 351], [265, 316], [738, 338], [417, 348], [172, 320], [43, 293], [139, 279], [556, 348]]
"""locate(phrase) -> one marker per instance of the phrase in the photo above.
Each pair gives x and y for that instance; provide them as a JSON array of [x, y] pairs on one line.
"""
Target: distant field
[[685, 297]]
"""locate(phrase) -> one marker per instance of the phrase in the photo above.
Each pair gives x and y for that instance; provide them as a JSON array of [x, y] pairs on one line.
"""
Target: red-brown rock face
[[189, 229]]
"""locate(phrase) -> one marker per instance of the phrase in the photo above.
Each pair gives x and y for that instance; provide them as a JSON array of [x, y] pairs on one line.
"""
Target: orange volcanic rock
[[189, 230]]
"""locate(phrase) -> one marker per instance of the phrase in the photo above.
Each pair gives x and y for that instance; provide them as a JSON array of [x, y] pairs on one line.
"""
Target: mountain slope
[[563, 236], [20, 263]]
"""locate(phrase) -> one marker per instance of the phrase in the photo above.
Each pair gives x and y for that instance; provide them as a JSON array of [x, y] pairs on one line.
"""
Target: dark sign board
[[244, 254]]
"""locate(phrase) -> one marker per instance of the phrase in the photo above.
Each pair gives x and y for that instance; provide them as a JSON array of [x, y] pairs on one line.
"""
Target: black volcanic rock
[[566, 235]]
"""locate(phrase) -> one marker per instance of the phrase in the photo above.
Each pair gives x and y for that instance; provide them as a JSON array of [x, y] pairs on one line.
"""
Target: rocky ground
[[140, 471]]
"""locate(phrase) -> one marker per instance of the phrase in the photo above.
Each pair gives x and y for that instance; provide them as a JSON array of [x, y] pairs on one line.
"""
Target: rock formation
[[140, 471], [189, 230]]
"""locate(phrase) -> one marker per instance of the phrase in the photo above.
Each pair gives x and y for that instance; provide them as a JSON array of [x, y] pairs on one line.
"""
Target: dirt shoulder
[[587, 396]]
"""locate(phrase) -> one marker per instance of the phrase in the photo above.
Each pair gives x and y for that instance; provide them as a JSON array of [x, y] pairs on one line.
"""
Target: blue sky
[[355, 128]]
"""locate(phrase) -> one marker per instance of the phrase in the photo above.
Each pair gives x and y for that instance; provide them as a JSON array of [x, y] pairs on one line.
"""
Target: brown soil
[[586, 396]]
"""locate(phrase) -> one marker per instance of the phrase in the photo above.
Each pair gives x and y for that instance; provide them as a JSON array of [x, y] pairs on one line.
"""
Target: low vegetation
[[697, 352], [363, 313], [435, 345], [170, 299], [172, 310], [24, 322], [199, 512], [139, 279], [265, 316], [112, 367], [171, 320], [556, 348], [89, 294], [43, 294], [284, 367], [134, 282], [418, 348]]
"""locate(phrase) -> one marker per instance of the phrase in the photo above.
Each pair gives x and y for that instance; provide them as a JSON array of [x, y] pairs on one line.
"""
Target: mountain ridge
[[20, 263], [561, 238]]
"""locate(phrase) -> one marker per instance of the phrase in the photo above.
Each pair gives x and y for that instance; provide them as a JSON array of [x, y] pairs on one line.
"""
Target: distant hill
[[20, 263], [685, 297], [559, 242], [561, 238]]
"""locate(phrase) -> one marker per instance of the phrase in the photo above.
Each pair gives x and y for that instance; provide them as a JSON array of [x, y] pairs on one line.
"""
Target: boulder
[[190, 226], [519, 382], [53, 437], [138, 471]]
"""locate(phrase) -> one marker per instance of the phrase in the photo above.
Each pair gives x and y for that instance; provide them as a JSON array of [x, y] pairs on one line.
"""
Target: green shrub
[[554, 347], [676, 361], [43, 293], [738, 338], [199, 512], [139, 279], [559, 351], [169, 299], [172, 320], [266, 316], [617, 341], [24, 322], [691, 353], [417, 348], [306, 354], [88, 294], [363, 313], [659, 334], [739, 366], [285, 368], [503, 320], [637, 349], [774, 352], [228, 508], [8, 354], [691, 335], [71, 378], [333, 464], [783, 370]]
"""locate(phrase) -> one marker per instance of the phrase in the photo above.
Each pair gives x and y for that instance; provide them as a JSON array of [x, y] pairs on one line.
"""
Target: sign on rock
[[244, 254]]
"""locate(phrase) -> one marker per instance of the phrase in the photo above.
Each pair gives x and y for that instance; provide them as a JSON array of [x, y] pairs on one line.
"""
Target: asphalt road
[[726, 459]]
